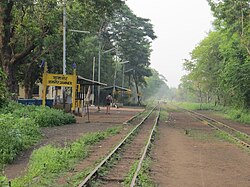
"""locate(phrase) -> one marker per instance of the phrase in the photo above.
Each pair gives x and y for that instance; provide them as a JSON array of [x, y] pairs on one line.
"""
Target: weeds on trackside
[[46, 163], [239, 115]]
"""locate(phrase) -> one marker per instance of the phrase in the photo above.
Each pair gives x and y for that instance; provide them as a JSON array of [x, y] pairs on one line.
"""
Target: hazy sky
[[179, 25]]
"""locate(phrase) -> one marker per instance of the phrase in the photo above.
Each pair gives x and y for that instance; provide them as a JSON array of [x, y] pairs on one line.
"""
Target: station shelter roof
[[84, 81], [117, 88]]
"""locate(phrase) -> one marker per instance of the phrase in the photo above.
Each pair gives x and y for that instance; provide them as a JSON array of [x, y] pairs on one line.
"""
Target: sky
[[179, 26]]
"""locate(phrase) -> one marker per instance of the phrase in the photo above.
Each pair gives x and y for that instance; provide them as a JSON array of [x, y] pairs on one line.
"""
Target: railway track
[[238, 136], [113, 169]]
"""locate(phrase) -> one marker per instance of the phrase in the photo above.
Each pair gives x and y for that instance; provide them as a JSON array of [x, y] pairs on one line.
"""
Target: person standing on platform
[[109, 100]]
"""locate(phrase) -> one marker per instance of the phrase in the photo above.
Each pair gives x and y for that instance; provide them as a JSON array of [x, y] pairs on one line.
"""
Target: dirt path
[[99, 121], [185, 154]]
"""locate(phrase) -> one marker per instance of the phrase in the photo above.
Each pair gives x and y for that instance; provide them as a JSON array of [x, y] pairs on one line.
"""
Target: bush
[[4, 182], [19, 127], [43, 116], [16, 134]]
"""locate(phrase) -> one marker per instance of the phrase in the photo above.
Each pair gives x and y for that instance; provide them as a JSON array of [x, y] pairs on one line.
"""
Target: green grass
[[224, 136], [242, 137], [164, 115], [16, 134], [19, 127], [4, 182], [143, 176], [76, 179], [130, 175], [46, 163]]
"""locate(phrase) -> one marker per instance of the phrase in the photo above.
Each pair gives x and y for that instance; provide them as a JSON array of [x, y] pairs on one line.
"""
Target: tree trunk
[[11, 83], [200, 96], [31, 74], [137, 89], [5, 50]]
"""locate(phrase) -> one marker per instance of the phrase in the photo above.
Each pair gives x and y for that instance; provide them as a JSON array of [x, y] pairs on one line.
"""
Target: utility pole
[[93, 78], [123, 69], [99, 75], [64, 49], [64, 37]]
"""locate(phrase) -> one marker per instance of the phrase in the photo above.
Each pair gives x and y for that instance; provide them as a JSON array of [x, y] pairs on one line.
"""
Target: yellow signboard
[[60, 80]]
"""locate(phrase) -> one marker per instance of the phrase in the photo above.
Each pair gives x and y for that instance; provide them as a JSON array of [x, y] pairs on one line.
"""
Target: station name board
[[60, 80]]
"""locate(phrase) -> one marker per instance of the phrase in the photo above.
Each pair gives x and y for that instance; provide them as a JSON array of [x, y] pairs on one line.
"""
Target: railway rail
[[238, 136], [133, 148]]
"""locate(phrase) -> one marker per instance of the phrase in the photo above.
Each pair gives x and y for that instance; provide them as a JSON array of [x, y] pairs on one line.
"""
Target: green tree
[[31, 31], [156, 87], [233, 16], [133, 35], [219, 65], [24, 26]]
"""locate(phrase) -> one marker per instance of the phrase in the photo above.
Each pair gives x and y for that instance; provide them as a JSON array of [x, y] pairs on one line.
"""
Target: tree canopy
[[219, 68], [32, 31]]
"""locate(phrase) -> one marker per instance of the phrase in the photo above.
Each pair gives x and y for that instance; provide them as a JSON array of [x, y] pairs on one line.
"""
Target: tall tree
[[24, 25], [235, 16], [133, 35], [32, 30]]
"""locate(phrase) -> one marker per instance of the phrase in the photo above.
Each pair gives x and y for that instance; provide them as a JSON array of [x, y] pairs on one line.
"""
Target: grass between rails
[[143, 178], [239, 115], [78, 178], [108, 165], [49, 161]]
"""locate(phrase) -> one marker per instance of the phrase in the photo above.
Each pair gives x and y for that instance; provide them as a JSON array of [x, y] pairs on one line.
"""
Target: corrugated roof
[[85, 81], [117, 88]]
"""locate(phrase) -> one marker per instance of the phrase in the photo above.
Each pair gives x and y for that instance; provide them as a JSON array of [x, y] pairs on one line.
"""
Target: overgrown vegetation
[[16, 134], [43, 116], [20, 127], [49, 161], [130, 174], [143, 176]]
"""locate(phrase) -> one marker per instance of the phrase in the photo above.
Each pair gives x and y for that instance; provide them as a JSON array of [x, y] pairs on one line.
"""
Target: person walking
[[109, 100]]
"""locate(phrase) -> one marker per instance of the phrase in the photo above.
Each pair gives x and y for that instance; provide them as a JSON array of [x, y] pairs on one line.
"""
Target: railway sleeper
[[108, 179], [131, 158]]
